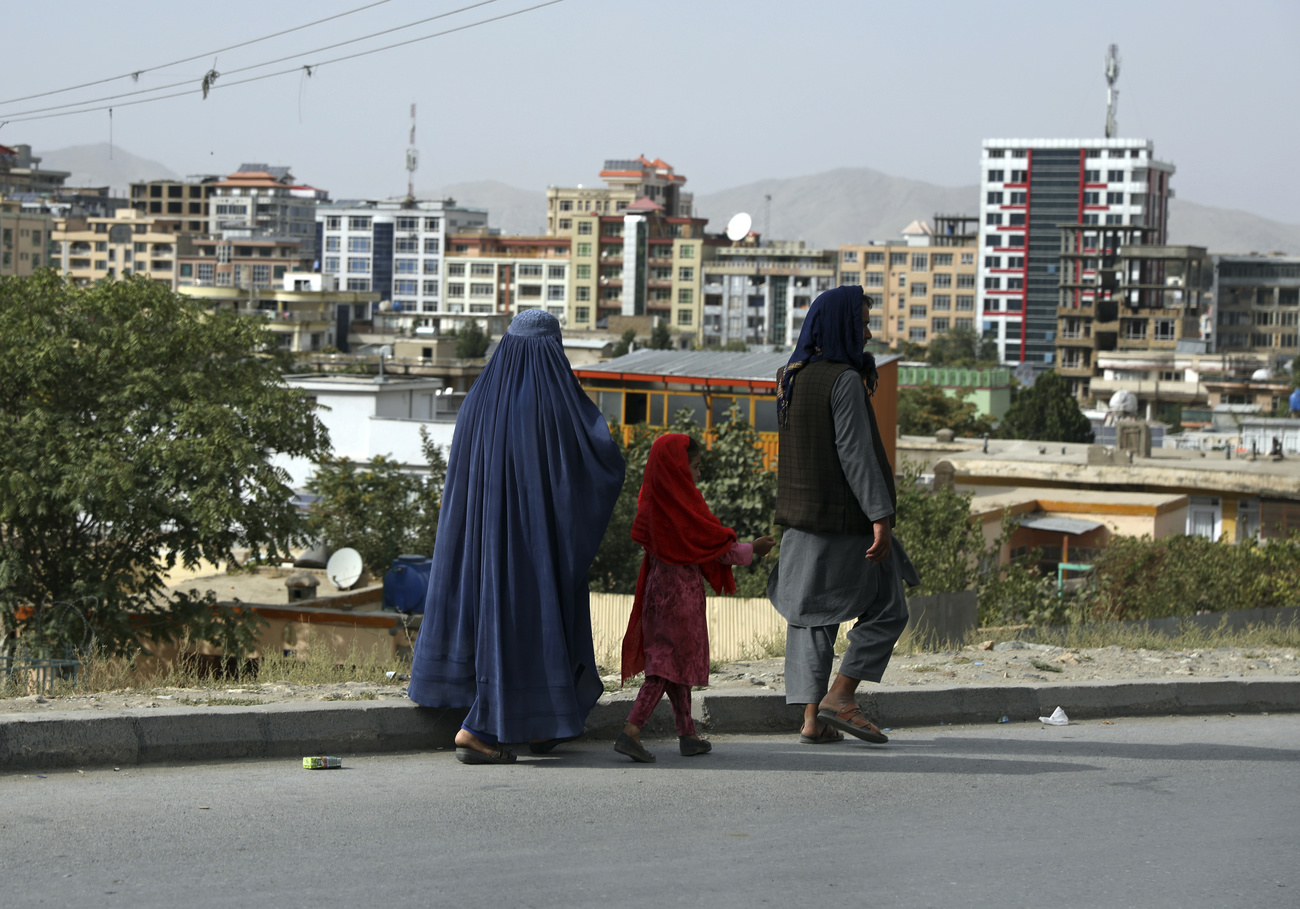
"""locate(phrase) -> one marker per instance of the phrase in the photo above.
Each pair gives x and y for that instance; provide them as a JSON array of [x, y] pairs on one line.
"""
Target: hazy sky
[[727, 91]]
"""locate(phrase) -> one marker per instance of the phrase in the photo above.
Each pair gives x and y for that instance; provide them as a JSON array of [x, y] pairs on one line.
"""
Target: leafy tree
[[662, 337], [472, 341], [735, 345], [624, 343], [961, 348], [1046, 412], [618, 560], [378, 508], [925, 409], [139, 428]]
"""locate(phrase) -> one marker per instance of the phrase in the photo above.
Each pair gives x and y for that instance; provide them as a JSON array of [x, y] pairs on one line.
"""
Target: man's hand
[[879, 550], [762, 546]]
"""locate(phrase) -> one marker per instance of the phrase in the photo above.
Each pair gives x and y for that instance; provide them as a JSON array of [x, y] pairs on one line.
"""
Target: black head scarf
[[832, 331]]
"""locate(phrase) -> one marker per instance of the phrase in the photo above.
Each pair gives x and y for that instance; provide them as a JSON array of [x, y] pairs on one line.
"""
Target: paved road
[[1181, 812]]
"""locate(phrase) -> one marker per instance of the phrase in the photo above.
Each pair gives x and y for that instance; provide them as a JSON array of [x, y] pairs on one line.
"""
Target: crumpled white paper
[[1058, 718]]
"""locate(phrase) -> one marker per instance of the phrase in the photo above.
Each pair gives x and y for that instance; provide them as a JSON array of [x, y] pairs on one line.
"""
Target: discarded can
[[322, 763]]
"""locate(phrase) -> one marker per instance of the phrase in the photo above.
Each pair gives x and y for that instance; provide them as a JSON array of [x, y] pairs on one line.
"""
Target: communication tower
[[1112, 93], [412, 161]]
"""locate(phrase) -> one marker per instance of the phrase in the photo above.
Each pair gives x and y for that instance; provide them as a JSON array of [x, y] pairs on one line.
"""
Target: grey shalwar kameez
[[824, 579]]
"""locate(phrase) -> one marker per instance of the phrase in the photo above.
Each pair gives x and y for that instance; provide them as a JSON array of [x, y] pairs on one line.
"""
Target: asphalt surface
[[1150, 813]]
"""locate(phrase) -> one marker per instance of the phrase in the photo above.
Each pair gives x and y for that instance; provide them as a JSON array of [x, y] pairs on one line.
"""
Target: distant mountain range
[[846, 205]]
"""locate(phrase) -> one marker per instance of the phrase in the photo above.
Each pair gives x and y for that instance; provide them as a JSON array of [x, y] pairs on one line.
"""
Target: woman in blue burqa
[[532, 479]]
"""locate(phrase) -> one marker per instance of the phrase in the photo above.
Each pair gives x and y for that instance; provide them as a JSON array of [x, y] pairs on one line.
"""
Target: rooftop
[[701, 364]]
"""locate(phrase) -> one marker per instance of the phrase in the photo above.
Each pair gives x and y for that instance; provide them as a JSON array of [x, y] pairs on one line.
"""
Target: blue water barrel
[[407, 583]]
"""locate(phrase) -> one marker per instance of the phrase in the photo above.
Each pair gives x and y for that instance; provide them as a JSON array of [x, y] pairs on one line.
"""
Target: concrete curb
[[141, 735]]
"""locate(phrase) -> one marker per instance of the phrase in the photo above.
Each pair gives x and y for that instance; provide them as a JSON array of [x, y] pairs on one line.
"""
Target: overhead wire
[[297, 69], [12, 118], [136, 74]]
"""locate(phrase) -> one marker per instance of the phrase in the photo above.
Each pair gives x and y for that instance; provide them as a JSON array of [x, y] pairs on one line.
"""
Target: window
[[406, 245], [1164, 329], [406, 266], [994, 198], [1134, 329], [566, 224], [358, 264], [1019, 176], [1091, 219], [1114, 219], [1092, 176], [939, 325], [1114, 176], [1015, 283], [582, 293], [333, 222], [1092, 198], [358, 224], [555, 272], [584, 228], [566, 205], [916, 312], [941, 260], [405, 287], [965, 303], [1016, 219], [431, 288], [1015, 240], [943, 280], [206, 268], [965, 281], [902, 280], [968, 324], [1017, 153], [686, 274], [583, 272], [992, 261], [850, 255], [555, 291], [850, 277], [916, 335], [612, 229], [430, 266], [333, 244], [997, 176], [993, 282], [686, 251], [941, 302], [996, 152], [875, 258], [362, 284], [406, 223], [685, 317], [919, 289], [582, 313], [261, 275], [584, 250], [479, 289], [530, 290], [993, 218], [482, 269], [1114, 198], [530, 270], [919, 261], [1018, 198], [1093, 153], [1015, 261], [967, 258], [874, 279], [685, 296], [897, 259], [359, 244], [900, 323], [431, 225]]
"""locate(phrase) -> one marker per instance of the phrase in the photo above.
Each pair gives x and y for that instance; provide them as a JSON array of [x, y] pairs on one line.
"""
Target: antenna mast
[[412, 161], [1112, 93]]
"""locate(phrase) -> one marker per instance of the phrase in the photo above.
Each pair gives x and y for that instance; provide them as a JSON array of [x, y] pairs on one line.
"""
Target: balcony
[[1151, 390]]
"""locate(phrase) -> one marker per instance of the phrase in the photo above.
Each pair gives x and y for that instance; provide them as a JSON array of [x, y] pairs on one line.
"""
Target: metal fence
[[25, 675]]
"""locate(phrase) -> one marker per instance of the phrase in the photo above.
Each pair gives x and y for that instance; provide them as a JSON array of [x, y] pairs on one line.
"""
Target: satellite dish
[[1261, 375], [1124, 402], [738, 227], [385, 351], [344, 568]]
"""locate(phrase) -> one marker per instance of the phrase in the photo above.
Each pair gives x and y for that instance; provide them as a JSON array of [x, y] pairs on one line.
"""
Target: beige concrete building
[[759, 292], [127, 243], [625, 182], [187, 199], [919, 288], [26, 241], [255, 262], [303, 320], [21, 172], [494, 277]]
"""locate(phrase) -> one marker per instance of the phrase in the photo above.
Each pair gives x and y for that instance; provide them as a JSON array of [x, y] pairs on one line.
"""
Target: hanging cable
[[213, 74], [135, 76]]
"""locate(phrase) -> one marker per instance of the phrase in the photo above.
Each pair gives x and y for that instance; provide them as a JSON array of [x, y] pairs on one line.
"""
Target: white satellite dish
[[344, 568], [738, 227]]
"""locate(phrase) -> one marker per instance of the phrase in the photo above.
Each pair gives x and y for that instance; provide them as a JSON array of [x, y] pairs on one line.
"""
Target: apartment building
[[1118, 292], [921, 285], [626, 181], [1028, 189], [21, 173], [1256, 306], [126, 243], [26, 240], [396, 249], [179, 199], [263, 201], [759, 293], [495, 277], [252, 263]]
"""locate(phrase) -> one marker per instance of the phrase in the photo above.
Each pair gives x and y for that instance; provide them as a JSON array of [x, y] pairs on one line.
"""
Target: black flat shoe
[[625, 744], [690, 747], [547, 746]]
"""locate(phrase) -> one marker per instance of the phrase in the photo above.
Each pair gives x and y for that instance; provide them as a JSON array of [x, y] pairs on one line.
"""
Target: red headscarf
[[676, 527]]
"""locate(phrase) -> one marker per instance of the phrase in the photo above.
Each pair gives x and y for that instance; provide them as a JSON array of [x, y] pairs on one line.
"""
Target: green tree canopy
[[662, 337], [139, 429], [624, 343], [1046, 412], [926, 408], [472, 341], [961, 348]]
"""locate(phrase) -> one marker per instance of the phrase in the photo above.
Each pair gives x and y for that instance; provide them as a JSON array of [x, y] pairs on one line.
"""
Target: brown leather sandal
[[843, 720]]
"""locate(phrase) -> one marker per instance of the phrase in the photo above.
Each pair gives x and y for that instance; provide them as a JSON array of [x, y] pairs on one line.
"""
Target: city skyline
[[541, 98]]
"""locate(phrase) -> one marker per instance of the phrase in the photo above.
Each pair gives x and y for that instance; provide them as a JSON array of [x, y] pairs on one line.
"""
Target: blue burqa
[[532, 479]]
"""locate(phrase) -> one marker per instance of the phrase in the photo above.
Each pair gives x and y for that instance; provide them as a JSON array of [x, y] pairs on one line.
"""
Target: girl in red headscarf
[[667, 635]]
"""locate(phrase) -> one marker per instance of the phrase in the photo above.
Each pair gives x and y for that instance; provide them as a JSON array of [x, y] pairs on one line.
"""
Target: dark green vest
[[811, 490]]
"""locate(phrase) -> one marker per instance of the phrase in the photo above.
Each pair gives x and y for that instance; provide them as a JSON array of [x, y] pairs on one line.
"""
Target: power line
[[243, 69], [221, 50], [297, 69]]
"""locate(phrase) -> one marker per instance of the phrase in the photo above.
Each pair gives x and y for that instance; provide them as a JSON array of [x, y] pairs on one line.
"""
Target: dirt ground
[[1008, 663]]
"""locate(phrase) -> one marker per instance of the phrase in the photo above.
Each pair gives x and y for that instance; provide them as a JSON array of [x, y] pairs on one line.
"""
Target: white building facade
[[1028, 187]]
